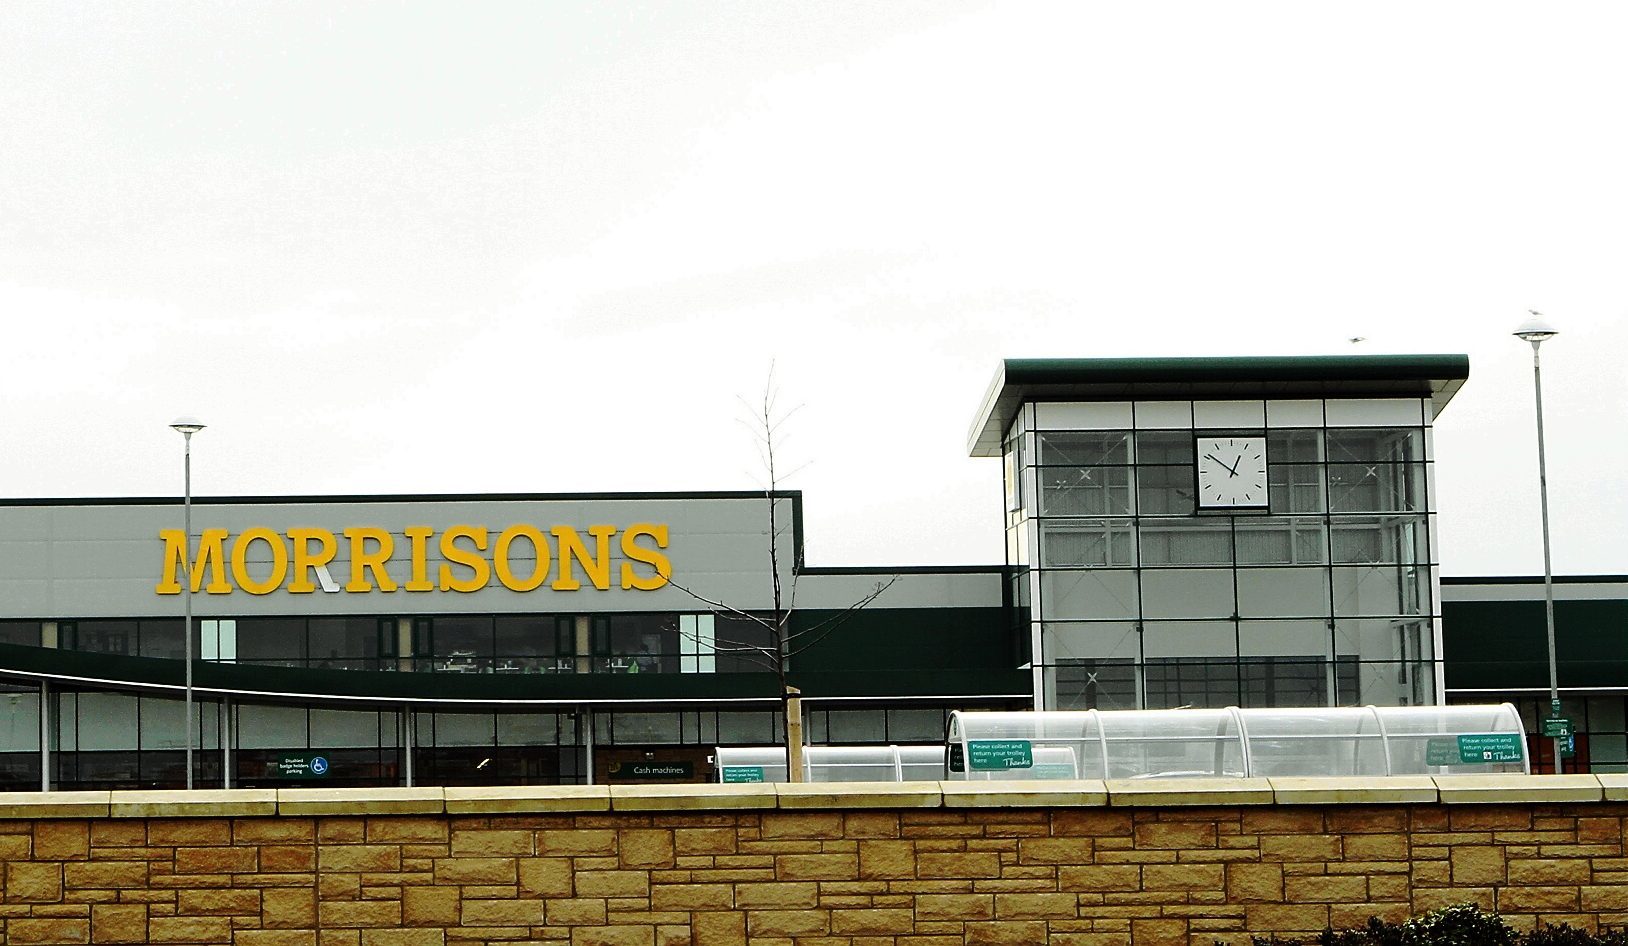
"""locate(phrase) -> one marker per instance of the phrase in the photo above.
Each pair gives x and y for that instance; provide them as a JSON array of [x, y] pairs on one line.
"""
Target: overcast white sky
[[544, 247]]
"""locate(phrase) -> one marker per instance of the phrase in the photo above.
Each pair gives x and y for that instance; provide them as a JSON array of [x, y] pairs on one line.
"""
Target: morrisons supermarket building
[[1254, 531]]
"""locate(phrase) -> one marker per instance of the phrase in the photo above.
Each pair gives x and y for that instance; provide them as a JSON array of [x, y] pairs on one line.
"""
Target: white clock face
[[1231, 472]]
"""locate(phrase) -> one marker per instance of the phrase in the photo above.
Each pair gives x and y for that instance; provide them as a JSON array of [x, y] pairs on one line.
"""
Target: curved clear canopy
[[833, 763], [1351, 741]]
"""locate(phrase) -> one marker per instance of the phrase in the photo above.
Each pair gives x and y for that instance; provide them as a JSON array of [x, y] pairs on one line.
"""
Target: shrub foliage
[[1462, 925]]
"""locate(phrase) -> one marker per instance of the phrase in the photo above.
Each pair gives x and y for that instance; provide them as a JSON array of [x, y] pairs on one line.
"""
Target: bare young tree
[[765, 421]]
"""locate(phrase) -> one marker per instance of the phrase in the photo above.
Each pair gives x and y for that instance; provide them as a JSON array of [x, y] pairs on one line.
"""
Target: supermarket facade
[[1179, 532]]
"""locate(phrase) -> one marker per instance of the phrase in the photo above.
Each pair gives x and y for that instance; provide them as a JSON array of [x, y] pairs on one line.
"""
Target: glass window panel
[[19, 722], [915, 725], [1281, 540], [344, 729], [1165, 490], [524, 643], [737, 638], [1300, 640], [1187, 593], [1085, 491], [857, 726], [105, 637], [1084, 595], [1605, 714], [1381, 590], [163, 724], [26, 633], [1376, 487], [1165, 447], [1389, 640], [455, 729], [1289, 445], [164, 639], [635, 728], [1097, 639], [1283, 592], [1194, 682], [1378, 539], [463, 643], [1276, 681], [270, 727], [1607, 753], [528, 729], [1084, 447], [275, 641], [739, 728], [1394, 683], [107, 721], [1092, 684], [1206, 541], [1369, 444], [1088, 542], [345, 643], [1294, 488], [1189, 639], [642, 643]]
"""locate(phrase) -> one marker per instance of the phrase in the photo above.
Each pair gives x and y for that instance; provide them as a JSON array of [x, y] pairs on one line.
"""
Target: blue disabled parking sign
[[301, 765], [319, 765]]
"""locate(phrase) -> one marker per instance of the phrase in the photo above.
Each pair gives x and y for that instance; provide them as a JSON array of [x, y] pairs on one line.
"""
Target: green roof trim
[[1023, 380]]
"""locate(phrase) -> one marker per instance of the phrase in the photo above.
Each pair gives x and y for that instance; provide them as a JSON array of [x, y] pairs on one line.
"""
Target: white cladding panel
[[92, 561]]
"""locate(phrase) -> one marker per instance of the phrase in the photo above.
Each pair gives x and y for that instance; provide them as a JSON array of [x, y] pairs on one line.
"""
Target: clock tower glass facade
[[1139, 598]]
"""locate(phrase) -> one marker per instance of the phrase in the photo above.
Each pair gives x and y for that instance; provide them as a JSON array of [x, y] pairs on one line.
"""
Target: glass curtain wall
[[1142, 600]]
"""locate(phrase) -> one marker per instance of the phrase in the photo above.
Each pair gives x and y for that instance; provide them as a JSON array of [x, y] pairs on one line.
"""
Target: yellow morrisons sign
[[521, 557]]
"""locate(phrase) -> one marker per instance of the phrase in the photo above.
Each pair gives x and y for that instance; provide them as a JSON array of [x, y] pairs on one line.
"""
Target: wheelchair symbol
[[319, 765]]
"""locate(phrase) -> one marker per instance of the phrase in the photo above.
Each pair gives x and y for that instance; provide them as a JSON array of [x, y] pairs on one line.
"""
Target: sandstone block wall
[[709, 867]]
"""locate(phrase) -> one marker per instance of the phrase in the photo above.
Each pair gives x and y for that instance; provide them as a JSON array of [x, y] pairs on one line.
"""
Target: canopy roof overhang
[[1020, 380]]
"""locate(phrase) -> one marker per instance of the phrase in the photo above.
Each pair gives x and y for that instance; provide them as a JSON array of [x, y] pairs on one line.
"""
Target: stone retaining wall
[[930, 864]]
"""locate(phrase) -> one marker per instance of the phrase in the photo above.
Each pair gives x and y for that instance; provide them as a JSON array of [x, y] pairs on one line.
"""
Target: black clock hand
[[1234, 468]]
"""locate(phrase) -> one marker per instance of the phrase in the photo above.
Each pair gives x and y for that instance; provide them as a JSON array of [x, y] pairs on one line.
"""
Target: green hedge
[[1464, 925]]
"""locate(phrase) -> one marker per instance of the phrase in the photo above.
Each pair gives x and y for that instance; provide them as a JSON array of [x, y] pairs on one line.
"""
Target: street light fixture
[[187, 425], [1537, 330]]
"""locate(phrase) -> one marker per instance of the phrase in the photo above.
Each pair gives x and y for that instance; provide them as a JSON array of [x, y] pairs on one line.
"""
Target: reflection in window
[[1087, 542]]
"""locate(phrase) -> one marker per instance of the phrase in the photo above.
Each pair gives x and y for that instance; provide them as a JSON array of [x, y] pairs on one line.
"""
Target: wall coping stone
[[57, 804], [526, 799], [1347, 790], [360, 801], [1482, 789], [1165, 792], [705, 796], [1175, 792], [1025, 793], [859, 795], [198, 803]]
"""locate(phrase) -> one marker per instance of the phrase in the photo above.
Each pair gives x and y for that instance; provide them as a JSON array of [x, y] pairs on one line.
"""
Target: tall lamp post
[[1537, 330], [187, 425]]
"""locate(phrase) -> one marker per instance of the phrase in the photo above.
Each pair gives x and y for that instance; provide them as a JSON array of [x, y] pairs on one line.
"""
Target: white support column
[[587, 727], [407, 725], [224, 733], [45, 736]]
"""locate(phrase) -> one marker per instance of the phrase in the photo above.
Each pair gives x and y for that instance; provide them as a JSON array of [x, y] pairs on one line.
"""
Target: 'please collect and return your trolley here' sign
[[1475, 749], [999, 755]]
